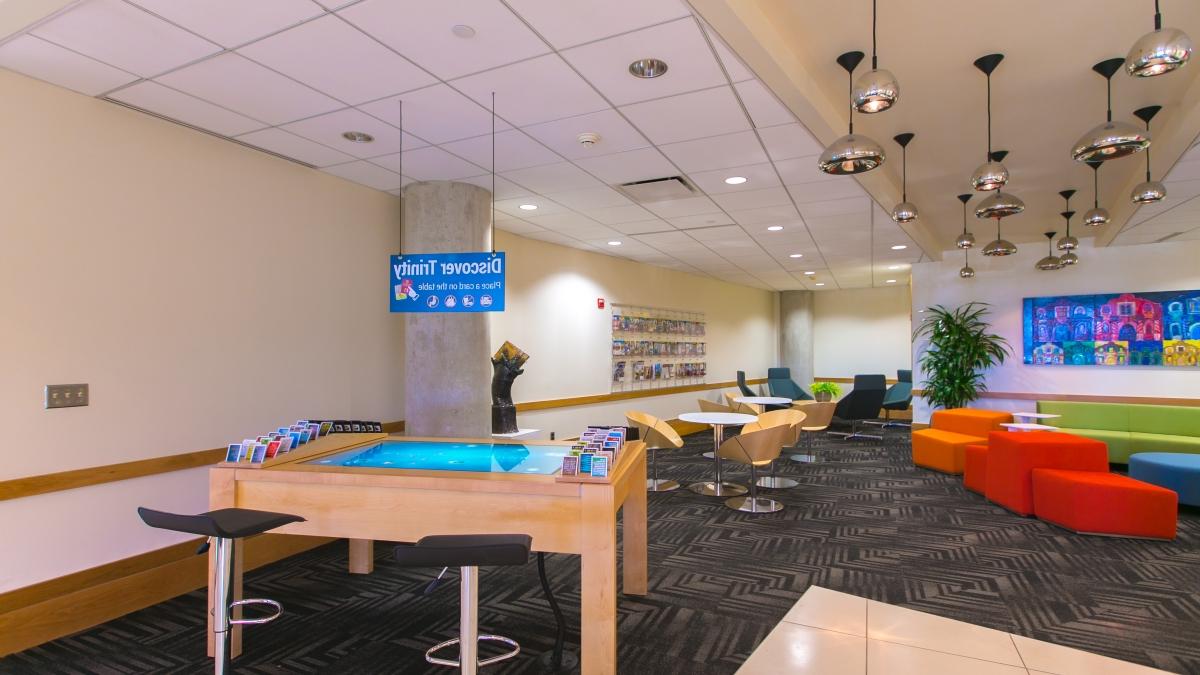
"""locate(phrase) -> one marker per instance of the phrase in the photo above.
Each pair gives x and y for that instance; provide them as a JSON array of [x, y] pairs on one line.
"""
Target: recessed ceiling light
[[809, 274], [735, 180], [820, 283], [774, 228], [647, 68], [528, 207], [891, 281], [895, 267], [899, 247], [796, 255], [462, 30], [614, 243], [357, 136]]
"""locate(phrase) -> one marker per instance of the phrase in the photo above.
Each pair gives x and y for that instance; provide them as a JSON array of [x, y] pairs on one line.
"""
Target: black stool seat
[[466, 550], [223, 523]]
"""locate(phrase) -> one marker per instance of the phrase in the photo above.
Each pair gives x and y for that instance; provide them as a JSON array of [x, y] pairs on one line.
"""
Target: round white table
[[764, 400], [718, 421], [1035, 415], [1022, 426]]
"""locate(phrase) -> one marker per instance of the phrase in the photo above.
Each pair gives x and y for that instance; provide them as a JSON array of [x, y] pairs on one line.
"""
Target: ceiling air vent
[[657, 189]]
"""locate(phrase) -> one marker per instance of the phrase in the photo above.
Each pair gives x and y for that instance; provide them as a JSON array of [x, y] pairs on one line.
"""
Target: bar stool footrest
[[516, 649], [258, 620]]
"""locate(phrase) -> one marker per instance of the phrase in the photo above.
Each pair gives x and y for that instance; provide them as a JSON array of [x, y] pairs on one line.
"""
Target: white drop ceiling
[[1176, 218], [290, 76]]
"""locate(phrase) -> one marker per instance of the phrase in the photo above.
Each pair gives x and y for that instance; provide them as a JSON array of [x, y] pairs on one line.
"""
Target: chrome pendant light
[[904, 212], [991, 175], [1068, 243], [1069, 258], [966, 239], [1111, 139], [851, 153], [999, 204], [967, 272], [1159, 52], [877, 90], [1096, 216], [1051, 262], [1000, 247], [1151, 190]]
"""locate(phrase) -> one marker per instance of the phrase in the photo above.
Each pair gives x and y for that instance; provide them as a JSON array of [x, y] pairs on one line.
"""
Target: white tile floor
[[831, 633]]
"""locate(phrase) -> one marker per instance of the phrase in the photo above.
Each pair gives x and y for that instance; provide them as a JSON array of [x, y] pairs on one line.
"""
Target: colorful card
[[599, 467], [234, 453], [273, 449], [585, 462], [570, 465], [295, 436], [285, 444], [326, 428], [260, 453]]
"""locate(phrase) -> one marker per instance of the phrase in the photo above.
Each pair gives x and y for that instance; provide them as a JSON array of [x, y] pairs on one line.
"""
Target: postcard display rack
[[654, 348]]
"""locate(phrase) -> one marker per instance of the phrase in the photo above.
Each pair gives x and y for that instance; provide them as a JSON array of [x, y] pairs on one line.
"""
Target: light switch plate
[[66, 395]]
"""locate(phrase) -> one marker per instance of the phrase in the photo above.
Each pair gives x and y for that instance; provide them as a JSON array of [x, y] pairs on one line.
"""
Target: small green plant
[[827, 388], [956, 350]]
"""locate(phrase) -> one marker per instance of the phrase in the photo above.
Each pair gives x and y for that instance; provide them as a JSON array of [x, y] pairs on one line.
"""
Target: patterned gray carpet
[[863, 521]]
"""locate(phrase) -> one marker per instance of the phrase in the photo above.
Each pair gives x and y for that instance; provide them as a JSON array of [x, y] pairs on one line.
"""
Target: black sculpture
[[506, 366]]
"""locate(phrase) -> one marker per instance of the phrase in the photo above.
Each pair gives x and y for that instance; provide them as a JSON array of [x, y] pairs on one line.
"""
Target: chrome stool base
[[803, 459], [711, 489], [661, 485], [516, 649], [754, 504], [777, 482]]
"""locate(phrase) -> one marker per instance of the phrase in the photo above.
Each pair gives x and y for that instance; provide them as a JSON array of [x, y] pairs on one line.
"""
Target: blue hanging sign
[[448, 282]]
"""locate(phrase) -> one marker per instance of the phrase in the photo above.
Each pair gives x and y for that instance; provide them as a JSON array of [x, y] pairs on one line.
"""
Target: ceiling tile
[[614, 215], [422, 32], [679, 43], [766, 215], [787, 141], [804, 170], [591, 198], [291, 145], [814, 192], [533, 91], [566, 24], [242, 85], [752, 199], [231, 23], [165, 101], [504, 189], [125, 36], [328, 129], [438, 114], [562, 136], [333, 57], [563, 221], [718, 152], [626, 167], [700, 220], [514, 150], [734, 67], [549, 178], [765, 110], [518, 227], [544, 206], [758, 176], [683, 207], [640, 227], [835, 207], [366, 173], [430, 163], [685, 117], [35, 57]]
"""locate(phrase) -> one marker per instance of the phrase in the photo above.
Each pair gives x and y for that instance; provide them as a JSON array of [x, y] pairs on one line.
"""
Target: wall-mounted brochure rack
[[656, 348]]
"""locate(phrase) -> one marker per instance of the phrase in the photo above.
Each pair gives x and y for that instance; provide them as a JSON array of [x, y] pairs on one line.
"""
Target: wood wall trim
[[626, 395], [42, 612], [846, 380], [97, 475]]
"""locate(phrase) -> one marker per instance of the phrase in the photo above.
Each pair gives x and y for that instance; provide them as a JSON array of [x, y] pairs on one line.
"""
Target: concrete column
[[447, 366], [796, 335]]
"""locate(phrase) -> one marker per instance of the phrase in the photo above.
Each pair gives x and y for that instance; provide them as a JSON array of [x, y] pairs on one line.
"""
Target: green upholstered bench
[[1129, 428]]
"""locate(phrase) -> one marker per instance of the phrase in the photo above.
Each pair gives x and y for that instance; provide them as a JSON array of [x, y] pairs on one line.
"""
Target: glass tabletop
[[524, 458]]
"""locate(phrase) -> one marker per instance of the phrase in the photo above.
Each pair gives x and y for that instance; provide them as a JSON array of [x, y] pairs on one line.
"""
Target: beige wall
[[206, 292], [861, 331], [552, 315]]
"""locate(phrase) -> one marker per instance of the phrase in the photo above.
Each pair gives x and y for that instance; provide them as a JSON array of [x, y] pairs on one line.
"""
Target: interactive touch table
[[364, 487]]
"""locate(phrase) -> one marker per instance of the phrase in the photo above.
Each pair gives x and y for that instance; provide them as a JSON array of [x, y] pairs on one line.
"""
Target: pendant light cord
[[850, 79], [1108, 83], [904, 173], [1157, 17], [1147, 153], [988, 158], [874, 20], [400, 104], [1096, 187]]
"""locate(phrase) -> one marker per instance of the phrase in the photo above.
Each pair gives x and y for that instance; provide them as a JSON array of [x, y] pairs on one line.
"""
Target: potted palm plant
[[825, 391], [956, 348]]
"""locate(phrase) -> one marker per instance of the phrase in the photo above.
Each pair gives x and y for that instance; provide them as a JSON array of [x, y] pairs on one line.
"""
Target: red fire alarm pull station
[[599, 303]]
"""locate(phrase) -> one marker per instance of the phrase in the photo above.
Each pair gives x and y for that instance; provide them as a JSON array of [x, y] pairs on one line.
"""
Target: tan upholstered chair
[[743, 408], [819, 417], [788, 416], [755, 449], [657, 435], [712, 406]]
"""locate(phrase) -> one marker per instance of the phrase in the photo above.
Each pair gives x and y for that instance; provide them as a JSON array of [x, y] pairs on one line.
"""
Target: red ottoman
[[1013, 455], [975, 471], [1090, 502]]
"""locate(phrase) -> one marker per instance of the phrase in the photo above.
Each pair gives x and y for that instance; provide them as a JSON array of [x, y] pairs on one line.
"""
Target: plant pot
[[823, 396]]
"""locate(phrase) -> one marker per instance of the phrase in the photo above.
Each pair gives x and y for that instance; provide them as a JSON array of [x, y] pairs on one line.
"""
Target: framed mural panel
[[1159, 328]]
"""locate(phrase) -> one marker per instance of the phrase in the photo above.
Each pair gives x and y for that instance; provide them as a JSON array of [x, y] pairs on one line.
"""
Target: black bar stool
[[223, 526], [468, 552]]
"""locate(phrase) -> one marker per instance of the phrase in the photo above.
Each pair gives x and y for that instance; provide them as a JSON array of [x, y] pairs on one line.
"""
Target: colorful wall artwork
[[1160, 328]]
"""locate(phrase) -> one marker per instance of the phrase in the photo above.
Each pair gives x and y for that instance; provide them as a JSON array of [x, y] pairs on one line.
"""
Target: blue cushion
[[1174, 471]]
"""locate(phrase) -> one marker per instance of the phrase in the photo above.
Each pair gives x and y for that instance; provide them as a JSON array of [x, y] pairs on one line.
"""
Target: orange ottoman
[[941, 450], [969, 421], [1090, 502], [1013, 455], [975, 468]]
